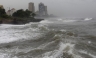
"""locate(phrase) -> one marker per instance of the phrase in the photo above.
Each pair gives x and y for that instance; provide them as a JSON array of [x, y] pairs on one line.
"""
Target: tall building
[[46, 12], [41, 9], [1, 6], [31, 7]]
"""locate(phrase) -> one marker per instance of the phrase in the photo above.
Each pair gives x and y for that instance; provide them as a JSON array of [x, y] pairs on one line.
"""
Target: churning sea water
[[51, 38]]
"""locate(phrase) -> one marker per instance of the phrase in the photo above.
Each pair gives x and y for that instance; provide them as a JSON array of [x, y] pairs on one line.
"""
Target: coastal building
[[41, 9], [46, 13], [31, 7], [10, 12], [1, 6]]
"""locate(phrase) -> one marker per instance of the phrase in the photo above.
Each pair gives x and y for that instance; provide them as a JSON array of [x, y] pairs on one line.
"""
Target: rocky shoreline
[[18, 21]]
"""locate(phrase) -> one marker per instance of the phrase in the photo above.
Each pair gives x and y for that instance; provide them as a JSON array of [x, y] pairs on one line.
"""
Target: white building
[[10, 12]]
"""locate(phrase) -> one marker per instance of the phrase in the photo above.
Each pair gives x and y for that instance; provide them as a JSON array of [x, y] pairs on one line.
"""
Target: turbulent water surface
[[51, 38]]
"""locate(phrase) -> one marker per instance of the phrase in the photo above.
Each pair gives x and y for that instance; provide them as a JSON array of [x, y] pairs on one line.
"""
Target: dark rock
[[37, 20], [19, 21], [14, 21], [1, 21]]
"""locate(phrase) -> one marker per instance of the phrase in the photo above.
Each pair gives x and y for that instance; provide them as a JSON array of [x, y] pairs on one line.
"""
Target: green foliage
[[3, 13], [19, 13], [33, 14], [23, 14], [4, 16], [27, 13]]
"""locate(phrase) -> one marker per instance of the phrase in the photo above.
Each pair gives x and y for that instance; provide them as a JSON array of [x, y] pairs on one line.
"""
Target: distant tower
[[31, 7], [41, 9], [46, 12]]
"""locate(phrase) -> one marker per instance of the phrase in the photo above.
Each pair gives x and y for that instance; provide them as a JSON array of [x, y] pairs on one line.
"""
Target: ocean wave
[[88, 54], [10, 33], [87, 19], [37, 40], [69, 20], [66, 20], [46, 21], [59, 19], [65, 51]]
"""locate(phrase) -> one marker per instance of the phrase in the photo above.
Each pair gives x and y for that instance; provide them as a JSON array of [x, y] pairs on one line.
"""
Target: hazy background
[[66, 8]]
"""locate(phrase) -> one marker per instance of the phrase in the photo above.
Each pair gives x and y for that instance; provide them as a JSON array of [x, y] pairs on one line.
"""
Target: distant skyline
[[67, 8]]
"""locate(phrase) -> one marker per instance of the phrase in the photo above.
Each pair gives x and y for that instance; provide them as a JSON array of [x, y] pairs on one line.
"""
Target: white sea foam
[[4, 26], [85, 52], [46, 21], [63, 30], [10, 33], [64, 48], [5, 55], [69, 20], [87, 19], [59, 19], [2, 55], [89, 42], [66, 20]]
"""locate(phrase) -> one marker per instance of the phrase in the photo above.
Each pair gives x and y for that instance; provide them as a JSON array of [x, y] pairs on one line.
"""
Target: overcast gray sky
[[66, 8]]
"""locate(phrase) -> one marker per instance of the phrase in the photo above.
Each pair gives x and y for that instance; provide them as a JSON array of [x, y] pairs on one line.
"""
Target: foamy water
[[10, 33], [47, 39], [86, 19], [64, 20]]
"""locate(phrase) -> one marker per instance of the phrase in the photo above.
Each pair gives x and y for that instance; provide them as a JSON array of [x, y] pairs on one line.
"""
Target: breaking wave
[[87, 19], [64, 20], [37, 40], [69, 20], [46, 21]]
